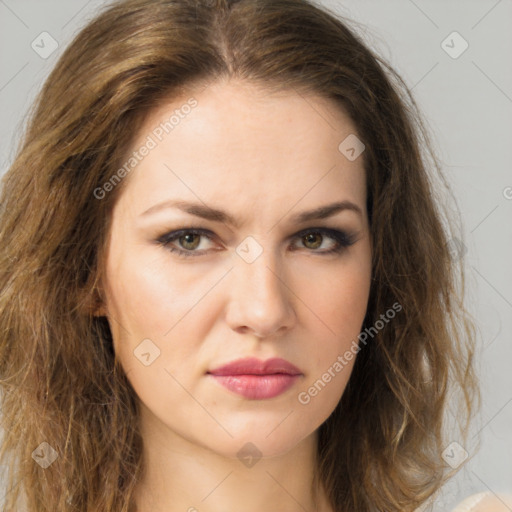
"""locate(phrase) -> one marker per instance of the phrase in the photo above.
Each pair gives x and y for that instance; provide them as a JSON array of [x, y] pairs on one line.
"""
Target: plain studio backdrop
[[455, 55]]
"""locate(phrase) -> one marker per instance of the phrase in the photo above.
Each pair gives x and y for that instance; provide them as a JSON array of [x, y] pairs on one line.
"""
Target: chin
[[266, 437]]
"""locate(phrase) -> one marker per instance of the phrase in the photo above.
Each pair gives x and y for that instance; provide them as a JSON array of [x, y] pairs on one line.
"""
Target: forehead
[[247, 145]]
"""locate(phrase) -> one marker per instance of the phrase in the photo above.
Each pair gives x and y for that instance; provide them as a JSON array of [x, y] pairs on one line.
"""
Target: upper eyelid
[[211, 234]]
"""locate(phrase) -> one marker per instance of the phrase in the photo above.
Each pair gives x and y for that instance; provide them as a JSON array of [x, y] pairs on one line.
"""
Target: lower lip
[[257, 387]]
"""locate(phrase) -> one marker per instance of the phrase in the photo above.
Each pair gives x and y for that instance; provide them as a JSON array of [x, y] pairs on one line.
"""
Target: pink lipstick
[[255, 379]]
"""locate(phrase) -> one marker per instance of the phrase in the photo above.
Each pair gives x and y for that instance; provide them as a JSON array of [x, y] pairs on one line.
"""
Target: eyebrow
[[216, 215]]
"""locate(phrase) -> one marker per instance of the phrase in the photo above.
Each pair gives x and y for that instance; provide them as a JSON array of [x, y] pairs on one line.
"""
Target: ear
[[94, 304], [100, 311]]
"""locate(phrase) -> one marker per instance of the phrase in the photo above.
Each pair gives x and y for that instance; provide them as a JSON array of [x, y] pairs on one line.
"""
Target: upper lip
[[253, 366]]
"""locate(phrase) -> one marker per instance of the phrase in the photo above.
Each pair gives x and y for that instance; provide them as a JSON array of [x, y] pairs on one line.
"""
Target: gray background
[[467, 103]]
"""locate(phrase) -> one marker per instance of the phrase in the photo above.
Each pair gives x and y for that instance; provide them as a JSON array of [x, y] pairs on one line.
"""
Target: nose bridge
[[261, 297]]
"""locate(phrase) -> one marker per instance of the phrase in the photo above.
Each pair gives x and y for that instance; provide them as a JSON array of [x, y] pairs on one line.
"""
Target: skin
[[261, 157], [486, 502]]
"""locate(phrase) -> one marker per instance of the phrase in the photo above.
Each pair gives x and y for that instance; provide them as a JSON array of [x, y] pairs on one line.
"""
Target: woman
[[226, 283]]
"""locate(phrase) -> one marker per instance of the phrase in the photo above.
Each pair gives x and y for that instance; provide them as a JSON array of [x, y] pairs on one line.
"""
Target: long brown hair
[[381, 449]]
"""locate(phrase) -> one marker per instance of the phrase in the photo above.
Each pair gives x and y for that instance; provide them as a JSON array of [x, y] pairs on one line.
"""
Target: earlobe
[[95, 304], [100, 311]]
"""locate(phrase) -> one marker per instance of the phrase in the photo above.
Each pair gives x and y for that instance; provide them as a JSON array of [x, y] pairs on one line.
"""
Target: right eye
[[189, 239]]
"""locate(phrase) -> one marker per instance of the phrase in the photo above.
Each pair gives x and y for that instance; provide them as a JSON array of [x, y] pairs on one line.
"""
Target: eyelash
[[342, 239]]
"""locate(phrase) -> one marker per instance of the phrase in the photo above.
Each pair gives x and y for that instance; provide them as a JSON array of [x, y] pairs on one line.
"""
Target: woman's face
[[189, 289]]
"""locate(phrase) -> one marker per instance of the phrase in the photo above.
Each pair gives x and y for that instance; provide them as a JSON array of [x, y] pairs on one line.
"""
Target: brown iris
[[310, 238], [188, 241]]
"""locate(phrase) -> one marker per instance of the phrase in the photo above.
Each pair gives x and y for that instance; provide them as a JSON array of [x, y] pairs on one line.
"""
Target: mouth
[[255, 379]]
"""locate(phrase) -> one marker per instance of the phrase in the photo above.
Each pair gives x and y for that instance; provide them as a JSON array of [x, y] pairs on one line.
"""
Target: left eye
[[190, 239], [315, 238]]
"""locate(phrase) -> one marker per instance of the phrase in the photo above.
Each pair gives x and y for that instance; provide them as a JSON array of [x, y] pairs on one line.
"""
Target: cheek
[[339, 302], [338, 295], [150, 298], [149, 294]]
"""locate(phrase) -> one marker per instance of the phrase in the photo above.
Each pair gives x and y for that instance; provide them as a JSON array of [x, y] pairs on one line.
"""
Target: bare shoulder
[[486, 502]]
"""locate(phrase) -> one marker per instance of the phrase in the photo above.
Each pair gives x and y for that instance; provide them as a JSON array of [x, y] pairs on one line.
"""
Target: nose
[[261, 299]]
